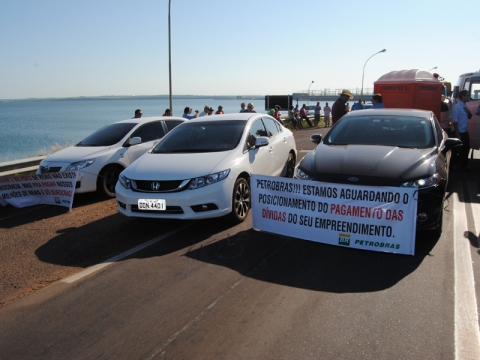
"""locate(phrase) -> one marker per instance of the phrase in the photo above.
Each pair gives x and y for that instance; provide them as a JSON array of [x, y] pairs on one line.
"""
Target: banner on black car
[[361, 217]]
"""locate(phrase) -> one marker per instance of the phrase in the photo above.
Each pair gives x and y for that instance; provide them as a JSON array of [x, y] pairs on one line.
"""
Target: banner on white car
[[27, 190], [363, 217]]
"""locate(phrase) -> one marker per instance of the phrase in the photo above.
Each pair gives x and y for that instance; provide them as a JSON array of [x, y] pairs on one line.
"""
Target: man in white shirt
[[205, 111]]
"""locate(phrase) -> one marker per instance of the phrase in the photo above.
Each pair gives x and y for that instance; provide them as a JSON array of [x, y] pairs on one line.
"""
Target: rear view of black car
[[386, 147]]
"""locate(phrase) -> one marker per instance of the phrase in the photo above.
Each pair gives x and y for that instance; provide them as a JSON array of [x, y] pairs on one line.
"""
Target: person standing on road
[[186, 113], [303, 115], [204, 112], [326, 114], [167, 112], [460, 116], [358, 105], [250, 108], [377, 101], [219, 111], [317, 112], [138, 114], [242, 107], [339, 106]]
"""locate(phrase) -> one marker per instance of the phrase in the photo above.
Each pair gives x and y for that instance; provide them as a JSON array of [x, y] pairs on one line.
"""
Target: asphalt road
[[208, 290]]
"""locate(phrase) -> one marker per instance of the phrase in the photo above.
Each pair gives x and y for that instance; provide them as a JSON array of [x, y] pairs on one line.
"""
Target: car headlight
[[126, 182], [79, 165], [423, 183], [300, 174], [208, 179]]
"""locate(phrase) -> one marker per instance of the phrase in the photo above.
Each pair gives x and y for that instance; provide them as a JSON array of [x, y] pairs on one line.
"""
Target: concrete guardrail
[[18, 166]]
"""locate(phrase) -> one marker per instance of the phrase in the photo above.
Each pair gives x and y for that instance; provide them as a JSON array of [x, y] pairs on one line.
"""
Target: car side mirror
[[135, 141], [261, 141], [316, 138], [451, 143]]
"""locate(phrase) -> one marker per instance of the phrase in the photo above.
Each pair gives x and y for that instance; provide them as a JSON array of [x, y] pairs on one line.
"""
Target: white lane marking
[[110, 261], [467, 339], [474, 201], [193, 321], [305, 151]]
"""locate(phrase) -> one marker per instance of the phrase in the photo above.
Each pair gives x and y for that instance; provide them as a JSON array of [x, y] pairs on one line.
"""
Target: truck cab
[[471, 83]]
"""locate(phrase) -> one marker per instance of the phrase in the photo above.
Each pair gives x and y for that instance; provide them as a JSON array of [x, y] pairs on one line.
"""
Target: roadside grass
[[292, 128]]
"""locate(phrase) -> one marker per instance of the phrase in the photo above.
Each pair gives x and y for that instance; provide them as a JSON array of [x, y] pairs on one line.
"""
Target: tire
[[107, 179], [290, 166], [241, 201]]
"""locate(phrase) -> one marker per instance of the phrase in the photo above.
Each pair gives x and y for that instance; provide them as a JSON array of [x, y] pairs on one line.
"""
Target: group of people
[[340, 106], [207, 111], [296, 117]]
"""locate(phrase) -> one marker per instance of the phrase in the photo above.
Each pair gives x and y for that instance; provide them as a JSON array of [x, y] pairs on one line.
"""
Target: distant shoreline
[[145, 97]]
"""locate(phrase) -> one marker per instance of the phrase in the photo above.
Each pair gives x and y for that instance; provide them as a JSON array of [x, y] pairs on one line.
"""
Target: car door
[[261, 159], [149, 133], [277, 145]]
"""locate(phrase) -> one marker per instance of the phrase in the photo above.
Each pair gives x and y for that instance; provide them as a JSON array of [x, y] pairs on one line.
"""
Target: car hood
[[388, 162], [175, 166], [77, 153]]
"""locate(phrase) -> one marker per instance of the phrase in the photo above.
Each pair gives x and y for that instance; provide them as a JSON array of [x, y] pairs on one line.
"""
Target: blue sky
[[69, 48]]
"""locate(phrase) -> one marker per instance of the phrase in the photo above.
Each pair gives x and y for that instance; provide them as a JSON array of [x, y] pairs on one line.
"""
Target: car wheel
[[290, 166], [107, 179], [241, 201]]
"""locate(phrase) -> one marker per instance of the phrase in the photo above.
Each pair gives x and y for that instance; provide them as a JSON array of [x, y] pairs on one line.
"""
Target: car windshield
[[204, 136], [400, 131], [108, 135]]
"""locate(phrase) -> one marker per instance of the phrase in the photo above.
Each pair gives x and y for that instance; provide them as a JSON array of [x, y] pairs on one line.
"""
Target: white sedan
[[104, 154], [202, 168]]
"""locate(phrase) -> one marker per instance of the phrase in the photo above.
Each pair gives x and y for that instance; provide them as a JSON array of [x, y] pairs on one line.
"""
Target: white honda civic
[[202, 168]]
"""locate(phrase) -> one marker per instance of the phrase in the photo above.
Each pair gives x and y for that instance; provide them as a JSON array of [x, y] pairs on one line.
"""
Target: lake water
[[31, 127]]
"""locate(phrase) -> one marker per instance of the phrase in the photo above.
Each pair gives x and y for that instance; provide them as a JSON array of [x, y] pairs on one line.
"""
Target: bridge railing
[[334, 92]]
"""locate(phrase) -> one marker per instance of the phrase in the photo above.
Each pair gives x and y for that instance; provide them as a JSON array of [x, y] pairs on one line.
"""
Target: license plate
[[152, 204]]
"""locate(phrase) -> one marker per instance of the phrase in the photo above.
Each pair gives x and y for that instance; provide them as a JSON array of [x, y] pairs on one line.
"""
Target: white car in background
[[202, 168], [103, 155]]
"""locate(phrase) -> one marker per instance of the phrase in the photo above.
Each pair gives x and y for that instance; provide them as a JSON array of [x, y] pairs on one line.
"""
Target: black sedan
[[386, 147]]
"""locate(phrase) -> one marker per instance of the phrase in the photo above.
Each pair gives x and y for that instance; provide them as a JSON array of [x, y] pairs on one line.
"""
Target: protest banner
[[363, 217], [51, 189]]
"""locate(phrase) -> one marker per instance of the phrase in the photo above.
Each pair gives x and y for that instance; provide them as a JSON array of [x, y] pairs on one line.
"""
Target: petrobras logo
[[344, 239]]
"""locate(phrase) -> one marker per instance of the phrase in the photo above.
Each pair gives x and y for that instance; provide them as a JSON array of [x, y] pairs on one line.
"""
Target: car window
[[108, 135], [172, 123], [438, 130], [401, 131], [271, 127], [475, 89], [202, 136], [256, 130], [149, 132]]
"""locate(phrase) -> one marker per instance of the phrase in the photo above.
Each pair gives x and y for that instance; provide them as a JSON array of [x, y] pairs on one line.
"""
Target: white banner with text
[[363, 217], [27, 190]]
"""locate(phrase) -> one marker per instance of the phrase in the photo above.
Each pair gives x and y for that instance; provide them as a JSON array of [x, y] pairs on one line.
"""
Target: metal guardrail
[[18, 166]]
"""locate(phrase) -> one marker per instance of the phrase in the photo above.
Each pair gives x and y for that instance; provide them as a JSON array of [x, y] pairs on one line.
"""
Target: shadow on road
[[97, 241], [11, 217], [309, 265]]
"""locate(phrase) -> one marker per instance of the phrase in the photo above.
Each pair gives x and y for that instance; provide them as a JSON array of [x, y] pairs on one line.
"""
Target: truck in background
[[420, 89], [471, 83]]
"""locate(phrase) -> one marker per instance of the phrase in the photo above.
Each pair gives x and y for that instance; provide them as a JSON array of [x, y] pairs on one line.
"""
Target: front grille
[[45, 170], [169, 210], [152, 186]]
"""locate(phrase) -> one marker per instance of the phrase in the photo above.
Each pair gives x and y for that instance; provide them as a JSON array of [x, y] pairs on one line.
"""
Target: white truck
[[471, 83]]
